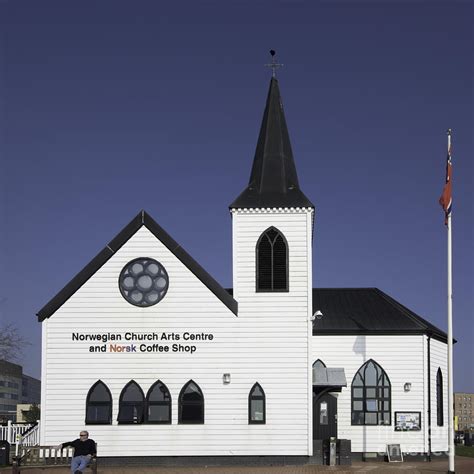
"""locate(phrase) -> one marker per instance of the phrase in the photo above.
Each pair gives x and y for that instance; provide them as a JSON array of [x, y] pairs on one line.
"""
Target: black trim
[[257, 398], [141, 219], [258, 283], [123, 404], [97, 404], [318, 360], [180, 405], [165, 403]]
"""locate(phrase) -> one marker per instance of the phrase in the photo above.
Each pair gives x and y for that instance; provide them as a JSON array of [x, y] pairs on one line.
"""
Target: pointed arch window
[[158, 402], [257, 407], [191, 404], [272, 261], [131, 404], [439, 398], [99, 405], [319, 364], [371, 396]]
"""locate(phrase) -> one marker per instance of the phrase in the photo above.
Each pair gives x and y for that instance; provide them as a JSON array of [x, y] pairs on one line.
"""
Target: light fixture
[[407, 386], [226, 378]]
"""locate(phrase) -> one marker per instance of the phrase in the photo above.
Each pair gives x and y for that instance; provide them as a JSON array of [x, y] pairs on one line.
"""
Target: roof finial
[[274, 65]]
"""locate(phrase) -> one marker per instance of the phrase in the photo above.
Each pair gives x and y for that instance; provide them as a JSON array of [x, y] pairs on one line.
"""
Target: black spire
[[273, 181]]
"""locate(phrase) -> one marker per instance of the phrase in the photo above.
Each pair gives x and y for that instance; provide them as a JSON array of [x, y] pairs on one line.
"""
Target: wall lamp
[[226, 378], [407, 386]]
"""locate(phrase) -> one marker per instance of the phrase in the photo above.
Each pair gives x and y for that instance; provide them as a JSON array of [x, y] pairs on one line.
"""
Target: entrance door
[[324, 416]]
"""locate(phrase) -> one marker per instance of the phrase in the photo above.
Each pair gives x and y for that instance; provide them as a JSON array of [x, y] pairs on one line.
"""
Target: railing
[[11, 431], [30, 438]]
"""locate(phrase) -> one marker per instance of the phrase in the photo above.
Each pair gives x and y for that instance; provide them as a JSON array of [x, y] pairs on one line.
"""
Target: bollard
[[332, 451]]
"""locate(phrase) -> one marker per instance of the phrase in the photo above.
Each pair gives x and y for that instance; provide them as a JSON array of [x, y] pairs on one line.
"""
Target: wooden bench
[[46, 456]]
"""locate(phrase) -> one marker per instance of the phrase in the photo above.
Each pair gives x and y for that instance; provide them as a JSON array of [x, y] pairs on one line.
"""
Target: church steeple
[[273, 180]]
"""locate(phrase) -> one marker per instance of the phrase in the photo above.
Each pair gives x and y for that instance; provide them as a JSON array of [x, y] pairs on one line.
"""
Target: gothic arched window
[[131, 404], [158, 402], [272, 261], [191, 404], [371, 396], [439, 398], [99, 405], [257, 404]]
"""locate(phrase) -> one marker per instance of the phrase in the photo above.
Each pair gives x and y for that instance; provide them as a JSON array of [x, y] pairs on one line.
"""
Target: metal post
[[9, 431]]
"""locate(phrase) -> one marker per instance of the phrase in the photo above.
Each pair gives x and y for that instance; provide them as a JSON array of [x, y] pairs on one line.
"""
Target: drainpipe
[[429, 399]]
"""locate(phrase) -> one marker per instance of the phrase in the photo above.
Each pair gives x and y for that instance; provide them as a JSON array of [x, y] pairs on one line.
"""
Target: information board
[[394, 453]]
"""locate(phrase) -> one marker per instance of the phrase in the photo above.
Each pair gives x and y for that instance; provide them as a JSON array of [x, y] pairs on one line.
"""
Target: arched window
[[272, 261], [158, 404], [131, 404], [257, 405], [371, 396], [439, 397], [99, 405], [191, 404], [319, 364]]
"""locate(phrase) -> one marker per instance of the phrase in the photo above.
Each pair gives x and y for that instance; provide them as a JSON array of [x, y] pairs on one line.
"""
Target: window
[[99, 405], [323, 413], [191, 404], [371, 396], [143, 282], [319, 364], [272, 261], [158, 404], [131, 404], [439, 397], [257, 405]]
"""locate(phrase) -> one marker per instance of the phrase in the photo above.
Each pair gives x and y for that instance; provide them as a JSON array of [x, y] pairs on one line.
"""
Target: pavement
[[463, 465]]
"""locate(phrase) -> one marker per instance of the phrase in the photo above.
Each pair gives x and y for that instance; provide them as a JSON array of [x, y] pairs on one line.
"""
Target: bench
[[46, 456]]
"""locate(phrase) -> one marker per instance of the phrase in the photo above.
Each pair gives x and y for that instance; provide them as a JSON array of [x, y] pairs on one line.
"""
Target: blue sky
[[111, 107]]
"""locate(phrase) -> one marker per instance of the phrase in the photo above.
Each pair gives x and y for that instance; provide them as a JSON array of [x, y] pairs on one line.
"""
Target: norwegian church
[[150, 354]]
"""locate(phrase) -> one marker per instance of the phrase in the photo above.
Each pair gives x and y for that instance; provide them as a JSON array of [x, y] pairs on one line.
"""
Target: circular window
[[143, 282]]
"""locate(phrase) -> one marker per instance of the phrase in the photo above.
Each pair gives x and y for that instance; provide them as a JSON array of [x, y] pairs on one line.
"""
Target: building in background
[[16, 388], [463, 403]]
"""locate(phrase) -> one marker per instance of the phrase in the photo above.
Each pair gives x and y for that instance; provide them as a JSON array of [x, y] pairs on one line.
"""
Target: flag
[[446, 198]]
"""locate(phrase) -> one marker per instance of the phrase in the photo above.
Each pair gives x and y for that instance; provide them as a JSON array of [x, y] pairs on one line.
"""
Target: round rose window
[[143, 282]]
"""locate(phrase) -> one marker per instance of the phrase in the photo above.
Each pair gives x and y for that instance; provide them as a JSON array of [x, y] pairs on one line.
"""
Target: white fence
[[13, 431]]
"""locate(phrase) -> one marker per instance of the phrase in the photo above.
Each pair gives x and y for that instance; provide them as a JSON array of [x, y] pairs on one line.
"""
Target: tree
[[33, 414], [12, 342]]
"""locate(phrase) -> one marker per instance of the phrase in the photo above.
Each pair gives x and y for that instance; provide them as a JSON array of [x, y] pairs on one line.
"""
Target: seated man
[[84, 449]]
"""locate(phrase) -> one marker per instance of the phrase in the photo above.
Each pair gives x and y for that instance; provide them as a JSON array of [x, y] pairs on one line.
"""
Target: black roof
[[142, 219], [273, 181], [366, 311]]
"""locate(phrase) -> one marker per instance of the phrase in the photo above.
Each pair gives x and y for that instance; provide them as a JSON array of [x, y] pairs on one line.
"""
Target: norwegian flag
[[446, 199]]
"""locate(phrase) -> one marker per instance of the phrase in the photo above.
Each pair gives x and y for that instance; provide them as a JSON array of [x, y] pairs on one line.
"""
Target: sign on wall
[[407, 421], [130, 342]]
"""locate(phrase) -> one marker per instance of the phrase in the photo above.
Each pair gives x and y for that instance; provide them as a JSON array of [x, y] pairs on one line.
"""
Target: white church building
[[150, 354]]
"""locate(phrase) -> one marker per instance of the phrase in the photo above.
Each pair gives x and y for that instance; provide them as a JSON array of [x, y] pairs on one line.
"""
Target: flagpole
[[450, 339]]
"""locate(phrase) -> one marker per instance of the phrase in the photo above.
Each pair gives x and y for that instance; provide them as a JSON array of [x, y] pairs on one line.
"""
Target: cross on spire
[[274, 65]]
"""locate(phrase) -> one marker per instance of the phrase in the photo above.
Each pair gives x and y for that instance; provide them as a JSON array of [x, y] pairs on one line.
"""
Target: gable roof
[[142, 219], [273, 181], [366, 311]]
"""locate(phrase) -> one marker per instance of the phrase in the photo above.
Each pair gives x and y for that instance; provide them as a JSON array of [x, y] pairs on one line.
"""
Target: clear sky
[[109, 107]]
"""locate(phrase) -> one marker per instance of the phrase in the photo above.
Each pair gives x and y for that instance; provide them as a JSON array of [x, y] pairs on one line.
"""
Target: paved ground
[[464, 465]]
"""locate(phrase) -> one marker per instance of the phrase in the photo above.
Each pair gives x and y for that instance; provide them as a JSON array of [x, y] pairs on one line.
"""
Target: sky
[[110, 107]]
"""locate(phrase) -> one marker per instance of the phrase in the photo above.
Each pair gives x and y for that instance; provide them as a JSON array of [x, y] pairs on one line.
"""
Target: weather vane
[[274, 65]]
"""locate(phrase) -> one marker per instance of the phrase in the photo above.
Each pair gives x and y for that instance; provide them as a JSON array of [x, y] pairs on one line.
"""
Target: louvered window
[[439, 398], [99, 405], [272, 261]]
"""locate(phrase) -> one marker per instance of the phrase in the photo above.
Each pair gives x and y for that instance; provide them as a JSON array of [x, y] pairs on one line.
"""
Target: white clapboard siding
[[265, 343], [402, 358], [439, 359]]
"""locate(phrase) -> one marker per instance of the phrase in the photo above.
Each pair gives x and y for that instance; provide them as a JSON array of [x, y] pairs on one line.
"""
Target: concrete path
[[464, 465]]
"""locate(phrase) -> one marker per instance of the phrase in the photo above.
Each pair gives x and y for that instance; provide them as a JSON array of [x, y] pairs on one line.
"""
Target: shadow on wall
[[360, 348]]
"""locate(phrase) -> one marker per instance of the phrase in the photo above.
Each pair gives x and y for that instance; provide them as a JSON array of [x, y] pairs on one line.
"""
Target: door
[[324, 416]]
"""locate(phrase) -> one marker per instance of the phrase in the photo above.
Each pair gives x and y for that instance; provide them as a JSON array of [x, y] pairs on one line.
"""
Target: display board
[[407, 421], [394, 453]]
